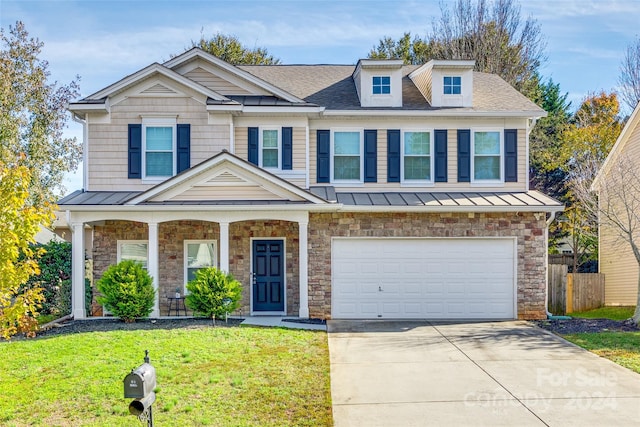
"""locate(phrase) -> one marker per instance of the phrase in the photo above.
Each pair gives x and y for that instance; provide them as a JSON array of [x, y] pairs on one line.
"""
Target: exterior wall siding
[[529, 231], [107, 154]]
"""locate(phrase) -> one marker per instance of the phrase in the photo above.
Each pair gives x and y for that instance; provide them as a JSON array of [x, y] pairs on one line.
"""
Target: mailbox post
[[139, 385]]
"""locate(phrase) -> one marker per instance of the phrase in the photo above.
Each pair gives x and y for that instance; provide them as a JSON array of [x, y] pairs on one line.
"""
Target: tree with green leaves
[[34, 156], [230, 49], [33, 115]]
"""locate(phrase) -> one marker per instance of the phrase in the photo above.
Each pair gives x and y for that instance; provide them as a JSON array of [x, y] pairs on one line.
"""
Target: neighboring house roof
[[619, 146]]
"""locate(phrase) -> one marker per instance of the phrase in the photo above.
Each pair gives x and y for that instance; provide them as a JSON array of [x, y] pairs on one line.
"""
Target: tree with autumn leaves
[[34, 156]]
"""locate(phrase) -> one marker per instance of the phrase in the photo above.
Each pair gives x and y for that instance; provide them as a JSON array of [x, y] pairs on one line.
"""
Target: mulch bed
[[576, 326], [96, 325]]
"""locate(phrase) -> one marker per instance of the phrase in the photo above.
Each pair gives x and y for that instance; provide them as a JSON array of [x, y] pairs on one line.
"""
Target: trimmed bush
[[127, 291], [213, 293]]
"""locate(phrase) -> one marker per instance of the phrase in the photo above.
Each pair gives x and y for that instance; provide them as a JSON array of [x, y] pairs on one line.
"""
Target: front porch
[[174, 243]]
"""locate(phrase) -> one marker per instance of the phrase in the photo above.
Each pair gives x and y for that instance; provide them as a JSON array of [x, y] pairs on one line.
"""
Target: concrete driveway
[[473, 374]]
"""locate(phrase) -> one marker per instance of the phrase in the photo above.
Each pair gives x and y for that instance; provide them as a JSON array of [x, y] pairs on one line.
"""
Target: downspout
[[546, 269]]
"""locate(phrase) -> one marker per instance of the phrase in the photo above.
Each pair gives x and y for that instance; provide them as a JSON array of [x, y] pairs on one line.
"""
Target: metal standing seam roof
[[453, 200]]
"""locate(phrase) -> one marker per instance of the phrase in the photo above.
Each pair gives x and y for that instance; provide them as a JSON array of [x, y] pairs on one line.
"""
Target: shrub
[[127, 291], [54, 277], [213, 293]]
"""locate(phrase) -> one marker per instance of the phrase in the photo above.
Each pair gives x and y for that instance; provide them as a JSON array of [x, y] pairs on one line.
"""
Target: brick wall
[[528, 230]]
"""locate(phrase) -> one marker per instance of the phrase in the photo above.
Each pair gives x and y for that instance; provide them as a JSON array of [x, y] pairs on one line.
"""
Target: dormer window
[[452, 85], [381, 85]]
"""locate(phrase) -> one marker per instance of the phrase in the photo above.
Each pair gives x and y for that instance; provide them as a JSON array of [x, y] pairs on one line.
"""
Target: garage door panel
[[423, 278]]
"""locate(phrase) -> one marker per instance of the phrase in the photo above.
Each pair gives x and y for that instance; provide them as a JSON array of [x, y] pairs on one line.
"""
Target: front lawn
[[206, 377], [620, 347], [613, 313]]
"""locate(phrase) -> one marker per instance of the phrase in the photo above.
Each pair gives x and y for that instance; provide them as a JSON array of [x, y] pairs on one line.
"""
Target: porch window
[[347, 156], [198, 254], [135, 250]]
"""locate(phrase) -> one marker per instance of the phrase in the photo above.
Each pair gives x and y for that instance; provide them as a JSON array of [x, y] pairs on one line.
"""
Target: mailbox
[[140, 382]]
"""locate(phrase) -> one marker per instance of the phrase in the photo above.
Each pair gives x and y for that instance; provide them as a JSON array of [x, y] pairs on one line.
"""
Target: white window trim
[[453, 94], [473, 156], [431, 157], [331, 155], [158, 122], [382, 94], [260, 147], [185, 256]]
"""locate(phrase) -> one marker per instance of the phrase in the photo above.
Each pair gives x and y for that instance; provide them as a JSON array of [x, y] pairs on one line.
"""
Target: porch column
[[77, 271], [303, 260], [152, 265], [224, 246]]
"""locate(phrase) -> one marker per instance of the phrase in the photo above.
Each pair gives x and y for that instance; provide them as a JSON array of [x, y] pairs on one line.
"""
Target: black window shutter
[[511, 155], [183, 158], [253, 146], [393, 155], [440, 148], [464, 155], [287, 148], [323, 174], [371, 156], [135, 151]]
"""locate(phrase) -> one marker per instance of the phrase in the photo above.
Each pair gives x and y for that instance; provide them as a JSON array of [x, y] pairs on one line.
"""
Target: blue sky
[[102, 40]]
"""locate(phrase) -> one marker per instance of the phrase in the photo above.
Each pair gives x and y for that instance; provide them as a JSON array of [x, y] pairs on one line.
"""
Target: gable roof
[[619, 146], [228, 168]]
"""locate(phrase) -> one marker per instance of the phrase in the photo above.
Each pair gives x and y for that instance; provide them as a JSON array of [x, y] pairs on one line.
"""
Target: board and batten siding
[[617, 262], [107, 154], [452, 183]]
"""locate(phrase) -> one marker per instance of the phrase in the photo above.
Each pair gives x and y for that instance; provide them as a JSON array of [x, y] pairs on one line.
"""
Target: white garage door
[[423, 278]]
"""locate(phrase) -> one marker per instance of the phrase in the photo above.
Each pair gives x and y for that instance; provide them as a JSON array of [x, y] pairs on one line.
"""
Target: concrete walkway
[[475, 374], [281, 322]]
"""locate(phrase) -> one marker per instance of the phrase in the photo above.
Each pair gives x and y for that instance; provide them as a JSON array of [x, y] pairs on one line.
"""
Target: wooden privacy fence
[[571, 292]]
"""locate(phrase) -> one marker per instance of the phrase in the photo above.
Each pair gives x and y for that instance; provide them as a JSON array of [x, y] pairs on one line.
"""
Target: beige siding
[[423, 83], [617, 261], [215, 83], [299, 147], [452, 168], [107, 155], [236, 192]]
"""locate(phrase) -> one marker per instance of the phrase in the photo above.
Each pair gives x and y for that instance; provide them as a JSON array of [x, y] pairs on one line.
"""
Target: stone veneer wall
[[240, 234], [171, 237], [528, 230]]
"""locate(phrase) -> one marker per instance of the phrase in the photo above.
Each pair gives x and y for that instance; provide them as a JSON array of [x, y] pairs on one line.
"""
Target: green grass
[[614, 313], [621, 347], [206, 377]]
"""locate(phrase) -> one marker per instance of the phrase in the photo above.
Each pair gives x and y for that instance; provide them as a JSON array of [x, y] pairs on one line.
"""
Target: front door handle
[[380, 289], [253, 277]]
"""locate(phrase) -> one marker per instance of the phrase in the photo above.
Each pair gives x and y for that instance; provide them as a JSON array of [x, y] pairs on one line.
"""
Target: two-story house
[[378, 190]]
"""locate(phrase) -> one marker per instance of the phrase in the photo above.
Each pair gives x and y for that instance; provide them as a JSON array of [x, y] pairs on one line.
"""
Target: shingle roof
[[332, 86]]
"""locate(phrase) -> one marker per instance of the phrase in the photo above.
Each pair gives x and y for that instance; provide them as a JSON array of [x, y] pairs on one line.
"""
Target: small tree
[[127, 291], [213, 293], [615, 200]]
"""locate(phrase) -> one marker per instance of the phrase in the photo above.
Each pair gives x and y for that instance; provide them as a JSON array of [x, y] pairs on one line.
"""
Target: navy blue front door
[[268, 275]]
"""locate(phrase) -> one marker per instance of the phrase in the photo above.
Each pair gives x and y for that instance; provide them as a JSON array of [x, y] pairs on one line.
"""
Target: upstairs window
[[381, 85], [270, 149], [347, 158], [487, 156], [452, 85], [159, 146], [417, 156]]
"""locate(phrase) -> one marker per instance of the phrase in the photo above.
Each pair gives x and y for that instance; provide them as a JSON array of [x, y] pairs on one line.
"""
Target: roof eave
[[438, 113]]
